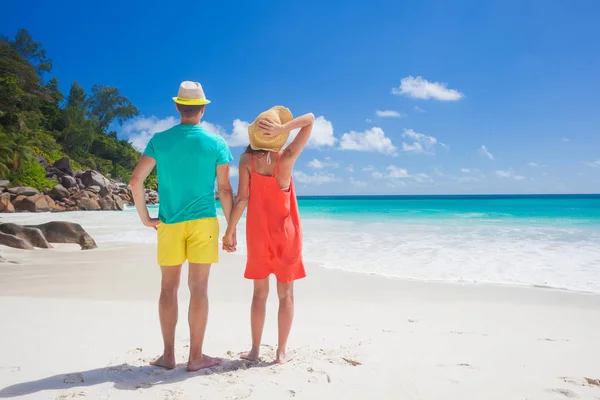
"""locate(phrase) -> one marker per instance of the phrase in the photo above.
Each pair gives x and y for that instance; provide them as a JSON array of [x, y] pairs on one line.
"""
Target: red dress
[[273, 230]]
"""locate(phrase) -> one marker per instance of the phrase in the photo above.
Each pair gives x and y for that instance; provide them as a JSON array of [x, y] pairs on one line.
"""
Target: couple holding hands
[[189, 159]]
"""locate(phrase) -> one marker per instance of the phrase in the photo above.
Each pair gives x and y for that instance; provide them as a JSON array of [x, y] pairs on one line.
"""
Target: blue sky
[[474, 97]]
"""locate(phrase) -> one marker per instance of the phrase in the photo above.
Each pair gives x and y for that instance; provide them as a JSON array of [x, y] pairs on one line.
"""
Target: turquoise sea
[[549, 240], [542, 240], [577, 210]]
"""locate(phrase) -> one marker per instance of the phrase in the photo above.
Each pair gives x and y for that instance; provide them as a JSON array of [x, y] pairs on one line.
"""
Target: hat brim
[[191, 102]]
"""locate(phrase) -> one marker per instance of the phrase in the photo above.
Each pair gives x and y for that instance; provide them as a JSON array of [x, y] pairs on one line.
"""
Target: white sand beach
[[83, 324]]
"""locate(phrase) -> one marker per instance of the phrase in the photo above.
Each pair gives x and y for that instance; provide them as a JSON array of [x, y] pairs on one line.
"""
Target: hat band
[[191, 102]]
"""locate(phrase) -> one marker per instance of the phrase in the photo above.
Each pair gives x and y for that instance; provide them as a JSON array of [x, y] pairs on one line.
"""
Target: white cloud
[[318, 178], [357, 183], [140, 130], [565, 139], [465, 170], [418, 109], [350, 168], [370, 168], [532, 164], [389, 114], [321, 135], [397, 173], [328, 162], [316, 164], [422, 178], [421, 143], [371, 140], [368, 120], [509, 175], [234, 171], [485, 152], [238, 136], [593, 163], [420, 88]]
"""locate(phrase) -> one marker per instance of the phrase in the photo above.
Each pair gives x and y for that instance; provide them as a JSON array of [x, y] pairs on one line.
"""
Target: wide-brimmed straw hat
[[258, 139], [191, 94]]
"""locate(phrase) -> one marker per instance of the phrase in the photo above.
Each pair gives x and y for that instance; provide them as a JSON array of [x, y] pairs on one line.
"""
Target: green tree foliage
[[33, 175], [107, 105], [32, 51], [35, 118]]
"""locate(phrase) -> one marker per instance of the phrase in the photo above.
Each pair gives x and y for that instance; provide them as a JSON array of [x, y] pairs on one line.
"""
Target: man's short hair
[[189, 111]]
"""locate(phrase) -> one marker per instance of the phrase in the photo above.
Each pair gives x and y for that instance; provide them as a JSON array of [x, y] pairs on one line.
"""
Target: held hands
[[152, 223], [230, 241], [271, 127]]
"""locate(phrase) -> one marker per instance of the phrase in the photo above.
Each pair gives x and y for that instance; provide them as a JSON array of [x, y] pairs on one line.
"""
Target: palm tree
[[18, 148], [5, 155]]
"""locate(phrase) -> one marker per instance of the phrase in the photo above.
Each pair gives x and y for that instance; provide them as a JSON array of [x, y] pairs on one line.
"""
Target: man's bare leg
[[258, 313], [285, 291], [168, 313], [198, 317]]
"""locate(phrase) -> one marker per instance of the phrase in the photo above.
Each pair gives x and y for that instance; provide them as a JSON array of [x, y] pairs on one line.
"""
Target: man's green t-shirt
[[186, 161]]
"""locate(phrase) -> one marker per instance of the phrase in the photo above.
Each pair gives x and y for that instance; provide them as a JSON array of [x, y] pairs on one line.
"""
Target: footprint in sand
[[352, 362], [66, 396], [137, 350], [565, 392], [143, 385], [119, 368], [590, 382], [173, 394], [73, 379], [323, 373], [461, 365]]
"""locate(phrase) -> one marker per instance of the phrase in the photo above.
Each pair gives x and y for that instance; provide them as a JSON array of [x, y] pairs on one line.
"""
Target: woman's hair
[[250, 150]]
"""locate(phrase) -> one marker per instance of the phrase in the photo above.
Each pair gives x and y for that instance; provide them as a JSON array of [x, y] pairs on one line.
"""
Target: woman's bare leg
[[285, 291], [257, 317]]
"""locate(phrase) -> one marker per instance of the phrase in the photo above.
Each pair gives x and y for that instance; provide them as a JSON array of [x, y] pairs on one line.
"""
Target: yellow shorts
[[196, 241]]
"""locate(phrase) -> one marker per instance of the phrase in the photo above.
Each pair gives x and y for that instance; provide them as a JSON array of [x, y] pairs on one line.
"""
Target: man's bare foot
[[252, 355], [283, 357], [204, 362], [164, 362]]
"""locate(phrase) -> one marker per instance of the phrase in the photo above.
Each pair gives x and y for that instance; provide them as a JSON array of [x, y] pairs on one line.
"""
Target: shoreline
[[16, 259], [12, 257]]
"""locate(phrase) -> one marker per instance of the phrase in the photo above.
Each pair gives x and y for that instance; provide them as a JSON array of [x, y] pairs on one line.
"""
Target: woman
[[273, 231]]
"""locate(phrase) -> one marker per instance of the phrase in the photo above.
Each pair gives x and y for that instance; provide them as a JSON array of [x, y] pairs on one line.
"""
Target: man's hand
[[230, 242], [152, 223], [271, 127]]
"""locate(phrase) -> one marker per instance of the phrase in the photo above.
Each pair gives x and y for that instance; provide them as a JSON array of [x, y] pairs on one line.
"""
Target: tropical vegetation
[[38, 123]]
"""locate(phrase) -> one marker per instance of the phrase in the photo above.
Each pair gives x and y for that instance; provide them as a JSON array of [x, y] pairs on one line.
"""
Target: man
[[188, 159]]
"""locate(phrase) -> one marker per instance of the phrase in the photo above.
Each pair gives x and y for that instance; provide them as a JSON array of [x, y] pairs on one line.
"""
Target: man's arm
[[241, 201], [225, 190], [139, 175]]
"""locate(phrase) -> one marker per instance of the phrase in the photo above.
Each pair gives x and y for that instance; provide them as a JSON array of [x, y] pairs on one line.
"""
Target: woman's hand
[[230, 242], [271, 127], [152, 223]]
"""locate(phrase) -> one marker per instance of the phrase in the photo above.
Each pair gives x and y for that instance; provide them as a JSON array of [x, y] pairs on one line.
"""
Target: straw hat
[[258, 140], [191, 94]]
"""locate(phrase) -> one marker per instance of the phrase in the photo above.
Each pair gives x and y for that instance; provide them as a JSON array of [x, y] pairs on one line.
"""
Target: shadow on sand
[[124, 377]]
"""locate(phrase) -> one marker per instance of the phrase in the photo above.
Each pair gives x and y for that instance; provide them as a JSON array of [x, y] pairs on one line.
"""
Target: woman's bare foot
[[164, 362], [252, 355], [203, 362], [283, 357]]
